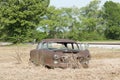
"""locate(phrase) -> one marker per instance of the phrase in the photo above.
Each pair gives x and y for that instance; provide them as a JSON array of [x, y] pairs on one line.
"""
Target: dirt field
[[105, 65]]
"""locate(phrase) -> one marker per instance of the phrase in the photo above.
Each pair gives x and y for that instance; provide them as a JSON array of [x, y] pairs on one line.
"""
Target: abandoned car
[[59, 53]]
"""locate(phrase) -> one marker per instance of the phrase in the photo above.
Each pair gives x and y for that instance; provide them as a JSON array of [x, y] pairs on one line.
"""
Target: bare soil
[[14, 65]]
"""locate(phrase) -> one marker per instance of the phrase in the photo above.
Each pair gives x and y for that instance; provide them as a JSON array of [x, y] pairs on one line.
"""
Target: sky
[[71, 3]]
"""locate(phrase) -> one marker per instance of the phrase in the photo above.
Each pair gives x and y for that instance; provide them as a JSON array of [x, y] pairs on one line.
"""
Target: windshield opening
[[58, 45]]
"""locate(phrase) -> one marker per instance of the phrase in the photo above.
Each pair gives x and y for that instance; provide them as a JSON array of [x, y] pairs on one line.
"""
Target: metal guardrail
[[101, 43], [5, 43], [105, 43]]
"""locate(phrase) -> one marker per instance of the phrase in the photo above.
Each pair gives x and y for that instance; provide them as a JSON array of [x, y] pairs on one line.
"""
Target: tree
[[92, 21], [20, 18], [55, 22], [112, 19]]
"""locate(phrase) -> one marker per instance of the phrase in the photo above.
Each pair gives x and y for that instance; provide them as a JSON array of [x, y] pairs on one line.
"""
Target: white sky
[[71, 3]]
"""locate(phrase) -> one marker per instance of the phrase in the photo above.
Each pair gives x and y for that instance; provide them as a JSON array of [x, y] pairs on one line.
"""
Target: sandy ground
[[105, 65]]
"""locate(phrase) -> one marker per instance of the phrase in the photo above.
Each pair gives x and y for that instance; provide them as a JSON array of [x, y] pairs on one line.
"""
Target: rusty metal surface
[[63, 58], [57, 40]]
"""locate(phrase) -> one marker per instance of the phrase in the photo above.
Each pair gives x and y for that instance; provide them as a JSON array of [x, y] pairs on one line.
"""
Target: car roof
[[58, 40]]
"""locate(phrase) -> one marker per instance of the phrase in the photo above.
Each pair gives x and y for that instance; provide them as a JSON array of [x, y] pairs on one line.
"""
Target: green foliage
[[28, 20], [19, 18], [38, 36], [91, 36], [112, 19], [74, 23], [113, 33], [55, 22], [91, 17]]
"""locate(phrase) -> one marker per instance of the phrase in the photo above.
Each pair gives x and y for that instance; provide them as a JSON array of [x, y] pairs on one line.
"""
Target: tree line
[[28, 20]]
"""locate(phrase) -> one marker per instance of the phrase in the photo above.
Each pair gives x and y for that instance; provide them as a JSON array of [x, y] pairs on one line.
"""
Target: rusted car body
[[59, 53]]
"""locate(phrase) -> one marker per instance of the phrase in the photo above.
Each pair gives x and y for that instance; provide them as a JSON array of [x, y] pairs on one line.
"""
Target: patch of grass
[[101, 53]]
